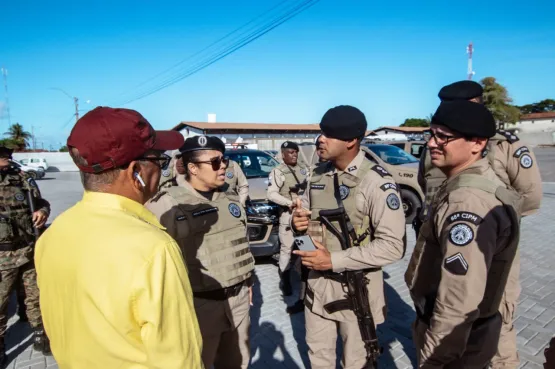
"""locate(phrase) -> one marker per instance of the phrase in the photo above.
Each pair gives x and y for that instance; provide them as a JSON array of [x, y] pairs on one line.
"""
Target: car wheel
[[32, 174], [41, 167], [411, 204]]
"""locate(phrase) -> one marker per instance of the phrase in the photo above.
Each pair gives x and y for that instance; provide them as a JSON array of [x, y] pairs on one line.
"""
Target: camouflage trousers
[[8, 282]]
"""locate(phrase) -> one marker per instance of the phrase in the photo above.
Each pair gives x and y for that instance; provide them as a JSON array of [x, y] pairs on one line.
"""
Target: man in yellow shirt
[[114, 290]]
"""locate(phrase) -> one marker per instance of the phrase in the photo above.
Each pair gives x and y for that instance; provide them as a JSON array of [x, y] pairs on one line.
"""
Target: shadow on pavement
[[18, 335]]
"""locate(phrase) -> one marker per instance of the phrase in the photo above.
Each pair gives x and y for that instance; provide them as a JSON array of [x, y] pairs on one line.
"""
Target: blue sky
[[387, 58]]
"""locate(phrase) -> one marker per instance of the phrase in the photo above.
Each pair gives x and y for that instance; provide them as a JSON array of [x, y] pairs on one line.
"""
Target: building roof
[[536, 116], [404, 129], [248, 126]]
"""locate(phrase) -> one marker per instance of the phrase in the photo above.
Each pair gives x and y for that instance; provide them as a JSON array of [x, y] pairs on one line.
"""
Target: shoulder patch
[[381, 171], [166, 172], [344, 192], [456, 264], [464, 216], [234, 210], [303, 172], [511, 138], [157, 196], [393, 201], [32, 182], [389, 186], [204, 211], [229, 175], [526, 161], [521, 151], [461, 234], [317, 186], [180, 217]]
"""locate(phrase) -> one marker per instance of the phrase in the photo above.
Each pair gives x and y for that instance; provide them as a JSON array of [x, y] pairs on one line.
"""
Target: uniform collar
[[352, 168], [191, 189], [124, 204]]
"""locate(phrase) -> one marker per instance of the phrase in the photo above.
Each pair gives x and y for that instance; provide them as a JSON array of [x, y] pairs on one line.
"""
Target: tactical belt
[[5, 209], [426, 318], [223, 293], [9, 246]]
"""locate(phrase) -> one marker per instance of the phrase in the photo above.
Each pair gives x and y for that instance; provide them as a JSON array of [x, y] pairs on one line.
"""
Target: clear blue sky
[[389, 58]]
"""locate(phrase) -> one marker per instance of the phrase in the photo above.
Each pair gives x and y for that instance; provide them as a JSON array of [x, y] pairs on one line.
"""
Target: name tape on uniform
[[389, 186], [204, 212], [521, 151], [317, 186]]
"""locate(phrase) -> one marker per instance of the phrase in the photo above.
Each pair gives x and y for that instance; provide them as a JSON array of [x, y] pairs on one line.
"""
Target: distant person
[[236, 182], [210, 226], [114, 289], [514, 164], [17, 243], [467, 244]]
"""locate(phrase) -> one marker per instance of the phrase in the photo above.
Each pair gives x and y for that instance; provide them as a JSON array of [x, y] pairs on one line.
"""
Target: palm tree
[[18, 136]]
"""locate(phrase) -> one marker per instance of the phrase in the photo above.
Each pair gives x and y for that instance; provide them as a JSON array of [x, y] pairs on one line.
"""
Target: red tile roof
[[538, 116], [315, 127]]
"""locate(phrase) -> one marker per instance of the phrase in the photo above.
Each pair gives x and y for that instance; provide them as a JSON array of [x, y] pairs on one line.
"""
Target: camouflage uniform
[[17, 244]]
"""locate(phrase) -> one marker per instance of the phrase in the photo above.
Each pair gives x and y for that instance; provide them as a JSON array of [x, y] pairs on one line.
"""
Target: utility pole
[[34, 140], [5, 75], [76, 102], [469, 50]]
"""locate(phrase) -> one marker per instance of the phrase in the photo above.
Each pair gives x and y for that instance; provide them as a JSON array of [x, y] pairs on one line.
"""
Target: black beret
[[461, 90], [5, 152], [289, 145], [344, 122], [465, 117], [202, 143]]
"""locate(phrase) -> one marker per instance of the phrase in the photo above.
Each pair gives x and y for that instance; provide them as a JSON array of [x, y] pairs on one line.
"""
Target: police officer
[[286, 182], [236, 181], [210, 227], [371, 199], [172, 175], [17, 242], [515, 164], [463, 256]]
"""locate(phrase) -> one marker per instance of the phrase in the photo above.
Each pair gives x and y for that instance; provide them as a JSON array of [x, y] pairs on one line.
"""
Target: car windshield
[[392, 154], [254, 164]]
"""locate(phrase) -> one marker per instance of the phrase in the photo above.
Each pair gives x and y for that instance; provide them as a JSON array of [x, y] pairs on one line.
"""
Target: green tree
[[18, 136], [543, 106], [497, 100], [415, 122], [64, 149]]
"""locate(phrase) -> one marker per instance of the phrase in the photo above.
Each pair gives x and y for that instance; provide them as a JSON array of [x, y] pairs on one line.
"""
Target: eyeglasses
[[216, 162], [440, 138], [162, 161]]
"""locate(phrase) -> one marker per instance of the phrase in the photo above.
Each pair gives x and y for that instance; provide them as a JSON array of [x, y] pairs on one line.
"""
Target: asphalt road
[[546, 162]]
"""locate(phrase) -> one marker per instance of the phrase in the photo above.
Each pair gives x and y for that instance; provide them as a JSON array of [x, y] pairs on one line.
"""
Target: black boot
[[41, 343], [3, 356], [22, 313], [297, 307], [285, 282]]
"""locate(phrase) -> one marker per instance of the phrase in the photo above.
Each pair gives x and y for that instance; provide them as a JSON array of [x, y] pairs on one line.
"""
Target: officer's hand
[[39, 218], [300, 217], [316, 260]]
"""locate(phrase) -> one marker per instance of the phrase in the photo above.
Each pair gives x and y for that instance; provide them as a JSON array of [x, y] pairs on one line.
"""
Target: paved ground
[[278, 339], [546, 158]]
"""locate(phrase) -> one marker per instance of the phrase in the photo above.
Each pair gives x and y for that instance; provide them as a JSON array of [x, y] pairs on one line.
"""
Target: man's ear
[[193, 169], [352, 143], [129, 174], [479, 145]]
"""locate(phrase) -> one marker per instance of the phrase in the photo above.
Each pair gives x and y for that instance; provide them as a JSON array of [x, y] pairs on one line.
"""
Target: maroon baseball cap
[[111, 137]]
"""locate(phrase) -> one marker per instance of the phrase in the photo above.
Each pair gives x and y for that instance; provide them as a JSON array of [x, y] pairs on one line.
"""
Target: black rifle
[[31, 202], [357, 291]]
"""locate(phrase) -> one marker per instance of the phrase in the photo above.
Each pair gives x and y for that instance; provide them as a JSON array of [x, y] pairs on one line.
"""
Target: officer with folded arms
[[467, 244], [370, 198], [210, 227]]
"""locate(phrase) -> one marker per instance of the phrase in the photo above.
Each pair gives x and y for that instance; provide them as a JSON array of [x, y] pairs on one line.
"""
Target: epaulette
[[158, 196], [511, 138], [381, 171]]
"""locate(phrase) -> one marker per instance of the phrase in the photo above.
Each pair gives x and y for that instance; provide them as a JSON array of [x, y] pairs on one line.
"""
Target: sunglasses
[[215, 162], [162, 161], [440, 138]]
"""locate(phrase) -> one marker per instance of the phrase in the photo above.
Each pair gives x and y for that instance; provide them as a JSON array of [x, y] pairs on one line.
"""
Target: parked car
[[262, 215], [35, 173], [35, 162], [414, 148]]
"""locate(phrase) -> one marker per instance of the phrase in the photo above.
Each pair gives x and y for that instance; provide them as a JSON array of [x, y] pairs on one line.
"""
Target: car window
[[392, 154], [416, 149], [254, 164], [35, 161], [24, 161]]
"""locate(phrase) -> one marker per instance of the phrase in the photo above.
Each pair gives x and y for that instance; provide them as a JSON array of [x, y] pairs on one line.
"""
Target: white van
[[35, 162]]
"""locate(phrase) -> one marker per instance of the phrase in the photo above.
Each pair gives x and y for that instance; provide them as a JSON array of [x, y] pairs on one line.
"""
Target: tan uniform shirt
[[237, 181], [374, 197], [276, 181], [467, 229]]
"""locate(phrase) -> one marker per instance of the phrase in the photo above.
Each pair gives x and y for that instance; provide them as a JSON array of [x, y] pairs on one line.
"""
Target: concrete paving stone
[[528, 333], [534, 312], [33, 361]]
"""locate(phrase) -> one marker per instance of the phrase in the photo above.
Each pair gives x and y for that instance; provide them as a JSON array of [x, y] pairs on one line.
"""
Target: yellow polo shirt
[[114, 291]]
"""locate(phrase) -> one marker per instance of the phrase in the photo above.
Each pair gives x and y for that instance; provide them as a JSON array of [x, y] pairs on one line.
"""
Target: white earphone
[[138, 176]]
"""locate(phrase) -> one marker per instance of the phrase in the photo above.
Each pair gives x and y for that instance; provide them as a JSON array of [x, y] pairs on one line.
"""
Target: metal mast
[[5, 75], [469, 50]]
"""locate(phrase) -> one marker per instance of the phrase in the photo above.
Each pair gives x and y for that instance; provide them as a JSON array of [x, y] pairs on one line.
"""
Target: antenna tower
[[5, 75], [469, 50]]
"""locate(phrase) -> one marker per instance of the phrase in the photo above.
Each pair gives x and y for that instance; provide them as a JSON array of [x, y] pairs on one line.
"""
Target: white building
[[535, 129]]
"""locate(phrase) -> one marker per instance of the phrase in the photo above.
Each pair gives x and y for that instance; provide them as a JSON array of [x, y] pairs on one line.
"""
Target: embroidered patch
[[19, 196], [204, 212], [354, 167], [466, 216], [229, 175], [202, 141], [166, 173], [461, 234], [303, 172], [32, 182], [317, 186], [526, 161], [285, 144], [389, 186], [235, 210], [180, 217], [509, 136], [456, 264], [393, 201], [344, 192], [381, 171], [521, 151]]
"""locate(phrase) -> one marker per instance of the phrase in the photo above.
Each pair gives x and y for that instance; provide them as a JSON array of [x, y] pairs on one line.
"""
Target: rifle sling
[[338, 305]]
